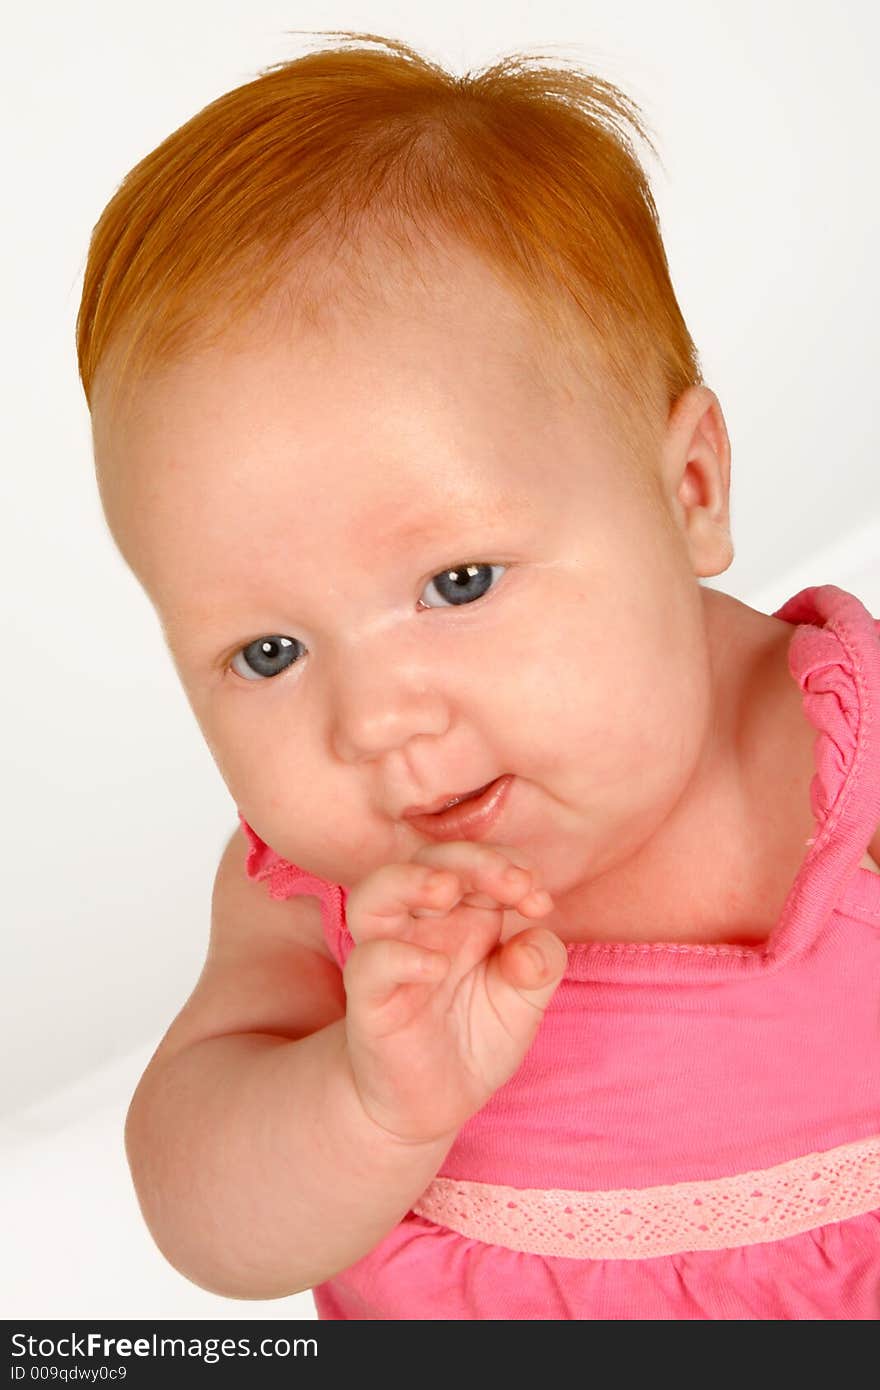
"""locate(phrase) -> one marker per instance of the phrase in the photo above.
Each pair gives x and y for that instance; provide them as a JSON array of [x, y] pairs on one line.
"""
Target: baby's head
[[398, 424]]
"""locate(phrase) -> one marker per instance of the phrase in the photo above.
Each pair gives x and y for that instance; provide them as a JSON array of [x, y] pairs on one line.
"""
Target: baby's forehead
[[481, 359], [439, 398], [442, 293]]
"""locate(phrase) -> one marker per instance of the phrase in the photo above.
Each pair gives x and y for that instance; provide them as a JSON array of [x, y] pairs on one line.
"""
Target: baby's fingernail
[[542, 898], [536, 956]]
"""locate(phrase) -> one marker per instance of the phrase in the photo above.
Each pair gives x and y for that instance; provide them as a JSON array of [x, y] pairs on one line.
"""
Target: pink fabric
[[667, 1064]]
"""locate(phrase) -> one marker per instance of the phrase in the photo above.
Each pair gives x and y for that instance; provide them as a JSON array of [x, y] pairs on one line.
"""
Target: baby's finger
[[374, 969], [489, 873], [533, 962], [459, 854], [382, 903]]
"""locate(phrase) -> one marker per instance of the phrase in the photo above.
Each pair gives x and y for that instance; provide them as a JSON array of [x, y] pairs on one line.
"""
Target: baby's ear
[[695, 428], [696, 463]]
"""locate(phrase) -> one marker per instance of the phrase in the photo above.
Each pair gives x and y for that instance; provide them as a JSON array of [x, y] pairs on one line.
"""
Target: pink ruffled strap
[[285, 880], [834, 654]]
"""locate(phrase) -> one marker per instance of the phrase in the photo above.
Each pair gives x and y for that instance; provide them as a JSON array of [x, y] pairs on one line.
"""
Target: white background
[[765, 117]]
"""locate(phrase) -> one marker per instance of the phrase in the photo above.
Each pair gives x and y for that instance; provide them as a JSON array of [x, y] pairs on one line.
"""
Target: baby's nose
[[379, 705]]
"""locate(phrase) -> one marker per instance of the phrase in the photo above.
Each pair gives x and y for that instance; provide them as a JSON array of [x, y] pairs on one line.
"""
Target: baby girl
[[544, 970]]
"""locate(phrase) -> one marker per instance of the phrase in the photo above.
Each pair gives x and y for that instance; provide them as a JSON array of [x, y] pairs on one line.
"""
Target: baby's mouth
[[443, 804], [467, 816], [466, 796]]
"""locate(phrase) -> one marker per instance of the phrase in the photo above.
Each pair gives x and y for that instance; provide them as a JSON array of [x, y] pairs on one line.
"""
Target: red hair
[[530, 166]]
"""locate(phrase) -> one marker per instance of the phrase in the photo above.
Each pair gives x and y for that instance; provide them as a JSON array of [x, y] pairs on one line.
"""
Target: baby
[[544, 970]]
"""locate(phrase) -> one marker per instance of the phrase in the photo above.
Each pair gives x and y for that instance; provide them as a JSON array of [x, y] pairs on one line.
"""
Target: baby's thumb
[[534, 961]]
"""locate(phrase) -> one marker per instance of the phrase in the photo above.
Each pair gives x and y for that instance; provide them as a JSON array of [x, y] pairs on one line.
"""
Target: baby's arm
[[258, 1172]]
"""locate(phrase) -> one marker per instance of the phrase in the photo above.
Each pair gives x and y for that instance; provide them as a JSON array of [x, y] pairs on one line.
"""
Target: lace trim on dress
[[628, 1224]]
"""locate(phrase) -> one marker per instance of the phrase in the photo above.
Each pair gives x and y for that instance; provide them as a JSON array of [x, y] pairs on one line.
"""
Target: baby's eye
[[267, 656], [463, 584]]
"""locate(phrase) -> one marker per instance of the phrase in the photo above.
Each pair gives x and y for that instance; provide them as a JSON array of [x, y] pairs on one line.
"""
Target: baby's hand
[[439, 1012]]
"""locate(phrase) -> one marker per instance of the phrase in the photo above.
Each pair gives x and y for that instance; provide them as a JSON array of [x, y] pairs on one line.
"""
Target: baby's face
[[302, 513]]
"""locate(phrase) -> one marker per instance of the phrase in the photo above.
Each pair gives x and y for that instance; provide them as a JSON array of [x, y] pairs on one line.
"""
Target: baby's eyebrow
[[423, 525], [419, 530]]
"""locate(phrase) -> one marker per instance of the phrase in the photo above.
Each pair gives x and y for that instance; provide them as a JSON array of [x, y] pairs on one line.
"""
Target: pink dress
[[694, 1132]]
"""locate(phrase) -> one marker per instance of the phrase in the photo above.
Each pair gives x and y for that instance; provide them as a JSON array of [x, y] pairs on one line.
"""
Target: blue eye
[[463, 584], [267, 656], [270, 656]]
